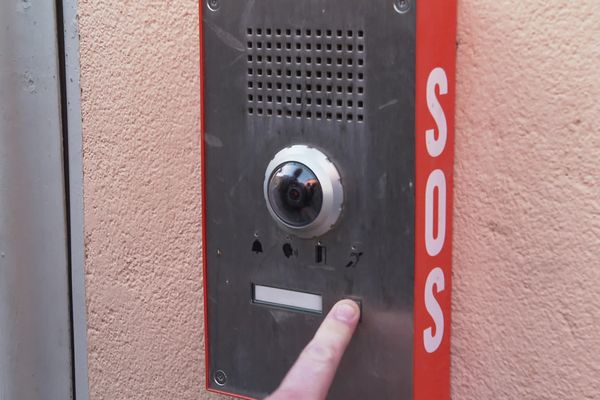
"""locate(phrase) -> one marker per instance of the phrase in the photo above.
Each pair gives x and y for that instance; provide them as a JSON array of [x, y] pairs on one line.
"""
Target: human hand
[[313, 372]]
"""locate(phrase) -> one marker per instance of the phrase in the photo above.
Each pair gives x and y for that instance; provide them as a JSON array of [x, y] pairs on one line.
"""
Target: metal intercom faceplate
[[334, 78]]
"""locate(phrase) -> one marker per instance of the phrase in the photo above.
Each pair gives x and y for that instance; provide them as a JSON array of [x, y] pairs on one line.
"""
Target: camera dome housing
[[303, 191]]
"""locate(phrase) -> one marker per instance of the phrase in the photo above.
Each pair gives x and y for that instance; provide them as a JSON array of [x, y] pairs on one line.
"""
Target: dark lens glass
[[295, 194]]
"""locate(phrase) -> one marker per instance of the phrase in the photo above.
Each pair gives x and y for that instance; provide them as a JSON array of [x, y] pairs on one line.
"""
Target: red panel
[[436, 58], [436, 35]]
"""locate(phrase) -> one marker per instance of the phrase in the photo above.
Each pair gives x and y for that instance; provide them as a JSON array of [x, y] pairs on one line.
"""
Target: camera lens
[[303, 191], [295, 194]]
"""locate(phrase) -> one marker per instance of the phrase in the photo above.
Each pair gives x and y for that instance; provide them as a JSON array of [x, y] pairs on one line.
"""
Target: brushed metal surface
[[370, 251]]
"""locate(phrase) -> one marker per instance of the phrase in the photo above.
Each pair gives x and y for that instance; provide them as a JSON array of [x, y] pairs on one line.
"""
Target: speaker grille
[[306, 73]]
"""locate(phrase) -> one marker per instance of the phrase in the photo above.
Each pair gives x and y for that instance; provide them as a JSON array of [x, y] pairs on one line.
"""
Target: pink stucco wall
[[527, 211], [527, 229]]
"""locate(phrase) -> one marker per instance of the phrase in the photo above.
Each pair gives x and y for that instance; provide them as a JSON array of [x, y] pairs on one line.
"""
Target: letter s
[[437, 78], [435, 279]]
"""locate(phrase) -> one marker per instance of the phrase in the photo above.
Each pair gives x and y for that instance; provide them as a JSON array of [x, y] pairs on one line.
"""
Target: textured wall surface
[[142, 198], [527, 228]]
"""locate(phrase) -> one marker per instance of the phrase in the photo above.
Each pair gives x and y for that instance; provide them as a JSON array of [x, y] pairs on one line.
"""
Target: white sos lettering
[[436, 187]]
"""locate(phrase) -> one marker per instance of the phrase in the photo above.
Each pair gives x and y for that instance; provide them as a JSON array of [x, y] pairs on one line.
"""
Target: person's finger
[[313, 372]]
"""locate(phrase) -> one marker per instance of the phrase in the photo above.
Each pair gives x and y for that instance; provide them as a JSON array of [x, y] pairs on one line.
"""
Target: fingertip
[[320, 358], [346, 311]]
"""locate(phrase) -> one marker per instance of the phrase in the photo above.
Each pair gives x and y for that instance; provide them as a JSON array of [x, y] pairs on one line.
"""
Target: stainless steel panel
[[337, 75], [35, 341]]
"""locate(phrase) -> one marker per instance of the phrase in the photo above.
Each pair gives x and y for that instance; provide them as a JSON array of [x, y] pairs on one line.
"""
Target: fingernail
[[345, 312]]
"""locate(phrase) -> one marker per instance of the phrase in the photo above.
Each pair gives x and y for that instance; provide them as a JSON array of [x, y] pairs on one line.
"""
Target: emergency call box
[[327, 153]]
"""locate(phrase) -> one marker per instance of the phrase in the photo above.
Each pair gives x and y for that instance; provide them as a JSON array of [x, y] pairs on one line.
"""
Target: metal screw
[[402, 6], [219, 252], [220, 377], [213, 5]]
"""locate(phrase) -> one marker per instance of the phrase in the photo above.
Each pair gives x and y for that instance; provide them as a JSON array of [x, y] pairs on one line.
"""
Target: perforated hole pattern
[[306, 73]]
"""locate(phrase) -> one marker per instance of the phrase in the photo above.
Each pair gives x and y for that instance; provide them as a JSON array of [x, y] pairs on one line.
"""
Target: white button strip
[[288, 298]]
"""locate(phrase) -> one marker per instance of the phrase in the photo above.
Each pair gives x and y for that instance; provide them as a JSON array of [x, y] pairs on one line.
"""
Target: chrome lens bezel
[[331, 186]]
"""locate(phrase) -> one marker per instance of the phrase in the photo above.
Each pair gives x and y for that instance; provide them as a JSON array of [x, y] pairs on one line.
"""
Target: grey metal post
[[35, 327], [72, 109]]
